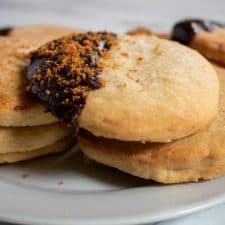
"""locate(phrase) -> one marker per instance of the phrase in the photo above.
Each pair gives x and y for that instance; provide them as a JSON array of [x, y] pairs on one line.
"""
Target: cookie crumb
[[63, 71], [139, 59], [125, 54], [157, 50], [133, 70], [25, 175], [19, 108], [122, 85], [60, 183]]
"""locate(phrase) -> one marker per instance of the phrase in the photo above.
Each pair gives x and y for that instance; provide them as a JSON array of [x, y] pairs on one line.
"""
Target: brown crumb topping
[[63, 71]]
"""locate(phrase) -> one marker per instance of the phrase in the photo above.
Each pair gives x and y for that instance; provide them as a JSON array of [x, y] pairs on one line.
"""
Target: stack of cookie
[[144, 105], [26, 129]]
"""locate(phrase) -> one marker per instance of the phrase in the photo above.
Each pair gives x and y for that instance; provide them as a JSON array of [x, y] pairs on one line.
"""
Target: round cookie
[[21, 139], [138, 88], [211, 45], [59, 146], [155, 90], [16, 108], [200, 156]]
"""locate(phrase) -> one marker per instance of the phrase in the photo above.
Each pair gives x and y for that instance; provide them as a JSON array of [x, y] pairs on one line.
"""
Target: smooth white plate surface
[[68, 189]]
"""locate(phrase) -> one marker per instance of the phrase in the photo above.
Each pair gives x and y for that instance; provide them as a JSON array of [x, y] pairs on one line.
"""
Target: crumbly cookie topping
[[63, 71]]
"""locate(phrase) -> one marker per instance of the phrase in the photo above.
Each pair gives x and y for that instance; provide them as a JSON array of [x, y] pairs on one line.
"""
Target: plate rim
[[138, 218]]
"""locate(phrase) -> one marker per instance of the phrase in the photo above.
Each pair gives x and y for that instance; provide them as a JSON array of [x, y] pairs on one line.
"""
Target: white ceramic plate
[[67, 189]]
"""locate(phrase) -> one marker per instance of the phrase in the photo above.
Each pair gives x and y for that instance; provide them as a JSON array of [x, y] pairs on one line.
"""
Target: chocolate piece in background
[[5, 31], [185, 30]]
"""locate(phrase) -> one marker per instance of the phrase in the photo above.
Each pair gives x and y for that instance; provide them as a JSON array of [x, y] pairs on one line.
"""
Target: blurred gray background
[[118, 16], [115, 15]]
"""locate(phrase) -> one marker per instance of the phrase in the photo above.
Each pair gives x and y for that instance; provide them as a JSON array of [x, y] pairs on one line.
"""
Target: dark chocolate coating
[[63, 71], [66, 113], [5, 31], [185, 30]]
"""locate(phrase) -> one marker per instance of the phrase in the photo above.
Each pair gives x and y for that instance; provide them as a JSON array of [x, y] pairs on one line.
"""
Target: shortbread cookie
[[200, 156], [138, 88], [16, 109], [21, 139], [59, 146], [207, 37]]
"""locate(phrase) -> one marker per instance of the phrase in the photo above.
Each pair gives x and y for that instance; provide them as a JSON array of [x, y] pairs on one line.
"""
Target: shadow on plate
[[73, 162]]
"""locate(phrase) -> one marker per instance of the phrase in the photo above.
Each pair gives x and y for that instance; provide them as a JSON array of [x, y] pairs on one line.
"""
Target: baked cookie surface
[[59, 146], [146, 88], [207, 37], [22, 139], [155, 90], [199, 156], [16, 108]]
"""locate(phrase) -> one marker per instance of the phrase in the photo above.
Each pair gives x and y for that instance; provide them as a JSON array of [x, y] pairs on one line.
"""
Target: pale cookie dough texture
[[16, 109], [211, 44], [23, 139], [199, 156], [155, 90], [59, 146]]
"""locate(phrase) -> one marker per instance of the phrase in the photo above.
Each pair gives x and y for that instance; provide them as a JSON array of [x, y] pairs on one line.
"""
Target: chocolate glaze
[[5, 31], [185, 30], [62, 72]]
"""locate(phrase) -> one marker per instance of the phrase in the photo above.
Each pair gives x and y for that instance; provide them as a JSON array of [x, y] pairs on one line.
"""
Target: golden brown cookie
[[207, 37], [40, 34], [36, 34], [149, 80], [20, 139], [200, 156], [211, 45], [16, 108], [125, 87], [59, 146]]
